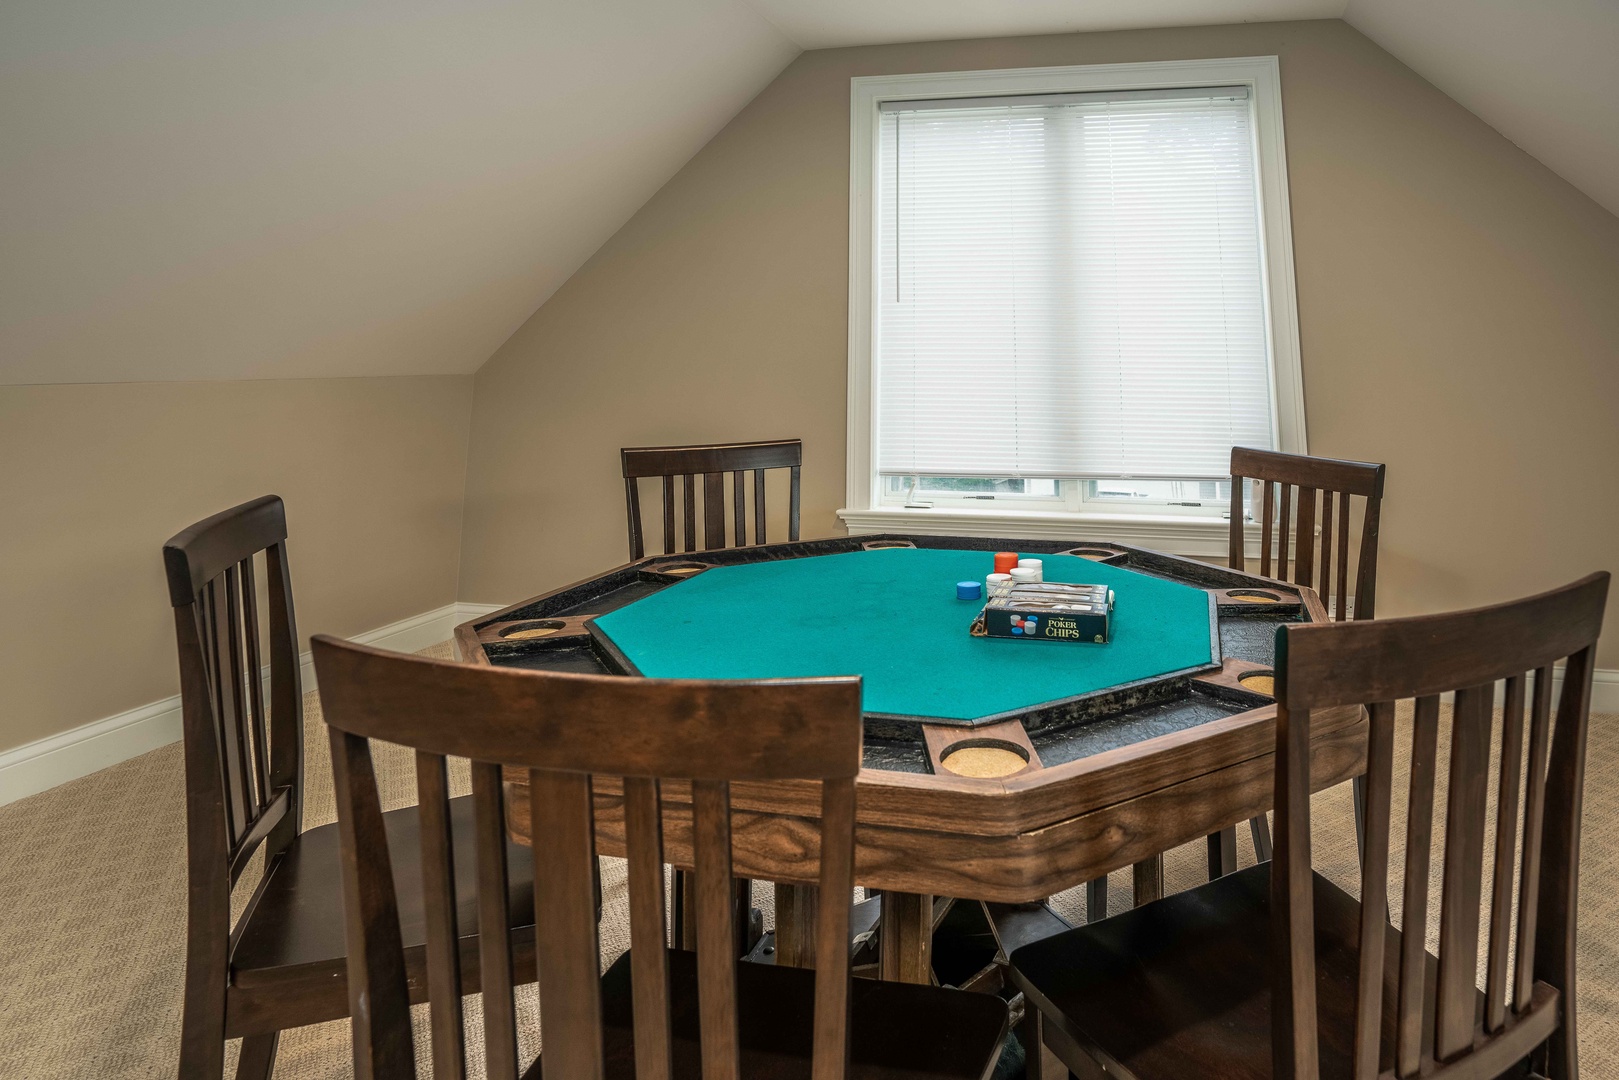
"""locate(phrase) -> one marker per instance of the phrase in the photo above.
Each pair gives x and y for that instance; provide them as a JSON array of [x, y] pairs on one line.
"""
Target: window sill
[[1193, 537]]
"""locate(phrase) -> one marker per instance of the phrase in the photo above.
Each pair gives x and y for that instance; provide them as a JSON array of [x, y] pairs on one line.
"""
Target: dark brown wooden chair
[[695, 1014], [1274, 972], [1287, 524], [284, 964], [711, 463]]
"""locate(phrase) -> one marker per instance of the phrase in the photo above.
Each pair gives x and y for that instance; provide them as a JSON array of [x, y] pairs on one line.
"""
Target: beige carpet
[[92, 916]]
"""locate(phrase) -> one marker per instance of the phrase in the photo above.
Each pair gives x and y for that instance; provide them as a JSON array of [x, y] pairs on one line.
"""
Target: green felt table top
[[891, 615]]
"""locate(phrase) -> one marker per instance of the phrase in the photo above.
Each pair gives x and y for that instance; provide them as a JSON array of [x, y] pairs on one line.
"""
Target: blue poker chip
[[969, 590]]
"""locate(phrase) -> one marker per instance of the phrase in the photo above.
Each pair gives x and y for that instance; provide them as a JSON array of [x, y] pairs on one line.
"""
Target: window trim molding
[[1261, 74]]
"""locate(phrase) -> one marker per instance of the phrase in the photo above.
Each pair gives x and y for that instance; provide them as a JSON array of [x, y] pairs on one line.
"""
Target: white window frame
[[1184, 534]]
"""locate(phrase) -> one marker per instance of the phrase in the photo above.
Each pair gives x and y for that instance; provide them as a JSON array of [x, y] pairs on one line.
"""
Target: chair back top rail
[[704, 730], [1321, 664], [1416, 1014], [1334, 474], [197, 555], [714, 458]]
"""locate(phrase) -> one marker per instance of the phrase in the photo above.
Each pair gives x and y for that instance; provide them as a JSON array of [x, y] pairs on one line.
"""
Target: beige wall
[[1458, 304], [95, 478]]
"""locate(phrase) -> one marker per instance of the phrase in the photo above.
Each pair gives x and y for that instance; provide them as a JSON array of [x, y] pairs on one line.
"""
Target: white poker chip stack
[[1034, 565], [997, 585], [1025, 575]]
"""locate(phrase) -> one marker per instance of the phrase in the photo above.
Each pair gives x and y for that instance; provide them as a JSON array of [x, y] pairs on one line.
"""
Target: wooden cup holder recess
[[985, 759], [882, 545], [678, 569], [1095, 553], [1259, 681], [520, 632], [530, 629]]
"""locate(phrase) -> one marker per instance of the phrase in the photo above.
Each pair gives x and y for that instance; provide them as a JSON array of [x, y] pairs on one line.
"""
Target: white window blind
[[1070, 286]]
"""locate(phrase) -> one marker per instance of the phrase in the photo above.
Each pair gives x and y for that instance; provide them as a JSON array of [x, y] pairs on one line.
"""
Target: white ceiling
[[821, 24], [216, 189]]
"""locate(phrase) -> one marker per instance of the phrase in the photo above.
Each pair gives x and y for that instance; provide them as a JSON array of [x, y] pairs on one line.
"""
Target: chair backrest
[[712, 463], [244, 764], [1429, 1023], [566, 729], [1291, 527]]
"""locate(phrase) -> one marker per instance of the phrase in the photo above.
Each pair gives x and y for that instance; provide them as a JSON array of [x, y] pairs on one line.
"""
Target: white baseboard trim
[[41, 765]]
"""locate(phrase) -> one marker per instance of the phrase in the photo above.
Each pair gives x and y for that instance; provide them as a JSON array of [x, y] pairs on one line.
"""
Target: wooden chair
[[1290, 530], [1187, 987], [284, 964], [694, 1014], [712, 462]]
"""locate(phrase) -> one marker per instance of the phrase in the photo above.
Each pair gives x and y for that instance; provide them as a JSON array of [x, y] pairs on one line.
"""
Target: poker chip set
[[1023, 606]]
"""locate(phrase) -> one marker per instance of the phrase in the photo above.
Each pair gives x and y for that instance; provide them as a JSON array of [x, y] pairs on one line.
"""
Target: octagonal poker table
[[995, 770]]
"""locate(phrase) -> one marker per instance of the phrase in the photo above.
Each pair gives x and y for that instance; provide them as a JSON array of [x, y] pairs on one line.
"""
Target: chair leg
[[1357, 790], [1222, 852], [1029, 1033], [1148, 880], [257, 1060], [1260, 827], [202, 1018], [1096, 899]]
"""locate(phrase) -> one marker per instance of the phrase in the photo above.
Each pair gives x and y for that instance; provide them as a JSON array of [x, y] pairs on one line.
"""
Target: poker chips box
[[1049, 611]]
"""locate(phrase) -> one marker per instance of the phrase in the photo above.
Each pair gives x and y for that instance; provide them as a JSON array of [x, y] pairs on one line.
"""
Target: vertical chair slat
[[1366, 573], [716, 961], [438, 910], [792, 505], [739, 501], [218, 661], [286, 688], [1236, 550], [713, 510], [632, 499], [494, 923], [1534, 818], [1304, 544], [1324, 570], [1374, 877], [379, 1002], [1414, 901], [831, 1039], [649, 960], [1461, 894], [1284, 533], [668, 515], [255, 681], [1506, 843], [689, 494], [758, 506], [566, 950], [1343, 557], [1267, 521], [240, 722]]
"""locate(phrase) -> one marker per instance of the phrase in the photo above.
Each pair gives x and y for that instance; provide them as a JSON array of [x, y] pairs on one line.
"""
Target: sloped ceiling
[[197, 189], [226, 189]]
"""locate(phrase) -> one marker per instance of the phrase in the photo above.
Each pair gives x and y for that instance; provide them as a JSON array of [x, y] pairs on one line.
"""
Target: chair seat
[[293, 940], [896, 1030], [1181, 987]]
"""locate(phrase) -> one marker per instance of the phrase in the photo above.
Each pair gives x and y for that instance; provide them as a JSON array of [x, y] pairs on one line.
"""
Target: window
[[1070, 294]]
